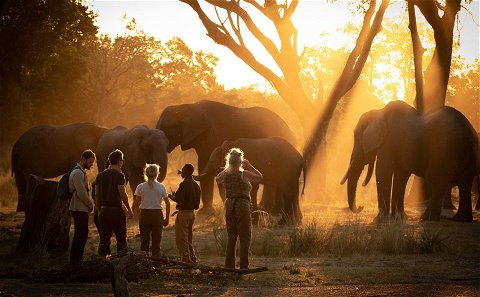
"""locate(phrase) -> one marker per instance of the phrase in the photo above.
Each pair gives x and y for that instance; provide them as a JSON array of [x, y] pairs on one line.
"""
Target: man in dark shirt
[[187, 198], [109, 196]]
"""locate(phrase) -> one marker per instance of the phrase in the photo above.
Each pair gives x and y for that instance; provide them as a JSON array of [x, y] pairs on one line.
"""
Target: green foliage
[[42, 58]]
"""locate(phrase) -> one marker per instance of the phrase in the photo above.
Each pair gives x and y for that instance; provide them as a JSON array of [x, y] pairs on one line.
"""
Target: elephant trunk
[[163, 162], [354, 174], [369, 173], [208, 169]]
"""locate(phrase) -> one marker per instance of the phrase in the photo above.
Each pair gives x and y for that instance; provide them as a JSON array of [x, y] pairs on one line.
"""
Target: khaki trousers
[[239, 226], [183, 235]]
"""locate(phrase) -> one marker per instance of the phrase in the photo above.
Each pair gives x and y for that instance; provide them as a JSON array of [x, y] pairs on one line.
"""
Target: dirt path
[[22, 288]]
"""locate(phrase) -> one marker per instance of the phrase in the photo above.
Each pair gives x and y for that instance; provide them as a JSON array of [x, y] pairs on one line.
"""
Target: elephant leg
[[464, 212], [268, 199], [291, 206], [398, 195], [22, 186], [221, 191], [434, 207], [253, 194], [206, 186], [448, 202], [383, 173]]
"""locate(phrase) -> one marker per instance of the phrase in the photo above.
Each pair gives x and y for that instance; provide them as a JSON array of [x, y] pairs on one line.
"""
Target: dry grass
[[8, 191]]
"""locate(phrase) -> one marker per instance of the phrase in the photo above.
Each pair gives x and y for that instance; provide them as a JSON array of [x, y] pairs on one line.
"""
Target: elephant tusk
[[199, 177], [345, 177], [369, 174]]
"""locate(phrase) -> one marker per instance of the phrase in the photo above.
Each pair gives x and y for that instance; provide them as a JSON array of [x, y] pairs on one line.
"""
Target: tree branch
[[417, 56], [235, 7], [346, 80]]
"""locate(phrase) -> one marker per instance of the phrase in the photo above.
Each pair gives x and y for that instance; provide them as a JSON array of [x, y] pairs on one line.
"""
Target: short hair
[[188, 169], [234, 158], [151, 171], [115, 157], [87, 154]]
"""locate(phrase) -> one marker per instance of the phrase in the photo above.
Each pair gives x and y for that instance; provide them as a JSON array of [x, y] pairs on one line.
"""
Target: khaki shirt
[[80, 199]]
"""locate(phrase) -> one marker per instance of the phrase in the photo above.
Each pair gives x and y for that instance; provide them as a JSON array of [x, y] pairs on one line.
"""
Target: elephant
[[448, 200], [280, 164], [50, 151], [140, 145], [206, 124], [440, 146]]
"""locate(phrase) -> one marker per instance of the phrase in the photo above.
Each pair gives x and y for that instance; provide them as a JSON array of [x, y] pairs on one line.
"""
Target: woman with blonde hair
[[236, 177], [151, 222]]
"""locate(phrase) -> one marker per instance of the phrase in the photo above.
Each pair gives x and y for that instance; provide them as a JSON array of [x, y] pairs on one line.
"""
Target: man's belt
[[176, 212], [110, 207]]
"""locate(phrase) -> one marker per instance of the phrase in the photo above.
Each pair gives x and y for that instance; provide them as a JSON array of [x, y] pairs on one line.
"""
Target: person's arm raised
[[251, 173]]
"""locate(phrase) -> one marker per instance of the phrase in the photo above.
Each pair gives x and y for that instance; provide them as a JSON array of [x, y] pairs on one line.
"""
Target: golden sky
[[165, 19]]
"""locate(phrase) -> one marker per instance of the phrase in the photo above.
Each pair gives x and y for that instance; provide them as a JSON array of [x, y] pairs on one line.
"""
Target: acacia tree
[[431, 87], [232, 24]]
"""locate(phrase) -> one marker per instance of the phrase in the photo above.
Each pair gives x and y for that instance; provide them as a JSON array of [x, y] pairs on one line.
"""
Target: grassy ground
[[333, 250], [333, 253]]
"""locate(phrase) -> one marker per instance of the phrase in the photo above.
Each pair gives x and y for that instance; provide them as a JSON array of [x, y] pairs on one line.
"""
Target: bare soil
[[454, 271]]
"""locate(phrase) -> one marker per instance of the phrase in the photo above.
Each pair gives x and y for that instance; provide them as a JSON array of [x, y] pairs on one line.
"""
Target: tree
[[235, 17], [431, 87], [40, 58]]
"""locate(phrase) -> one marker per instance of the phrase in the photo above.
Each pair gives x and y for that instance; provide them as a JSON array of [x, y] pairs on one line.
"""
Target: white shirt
[[152, 195]]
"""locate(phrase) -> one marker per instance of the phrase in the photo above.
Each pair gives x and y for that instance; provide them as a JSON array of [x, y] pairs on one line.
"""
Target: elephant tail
[[14, 160], [304, 168]]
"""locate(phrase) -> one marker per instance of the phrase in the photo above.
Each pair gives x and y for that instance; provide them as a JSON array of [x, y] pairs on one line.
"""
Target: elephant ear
[[194, 124], [226, 146], [373, 136], [134, 146], [86, 137]]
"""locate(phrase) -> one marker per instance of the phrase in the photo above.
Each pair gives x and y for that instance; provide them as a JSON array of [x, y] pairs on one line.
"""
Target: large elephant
[[280, 164], [440, 146], [49, 151], [206, 124], [140, 145]]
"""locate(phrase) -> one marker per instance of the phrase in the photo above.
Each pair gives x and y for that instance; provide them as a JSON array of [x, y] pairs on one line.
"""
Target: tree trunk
[[348, 77], [47, 221], [417, 57], [119, 281]]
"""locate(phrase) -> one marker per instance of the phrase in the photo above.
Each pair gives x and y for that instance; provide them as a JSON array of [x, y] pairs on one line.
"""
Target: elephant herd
[[441, 147], [50, 151]]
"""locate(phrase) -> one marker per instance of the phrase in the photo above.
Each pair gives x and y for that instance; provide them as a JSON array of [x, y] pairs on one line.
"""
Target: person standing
[[80, 204], [151, 222], [237, 177], [187, 198], [110, 194]]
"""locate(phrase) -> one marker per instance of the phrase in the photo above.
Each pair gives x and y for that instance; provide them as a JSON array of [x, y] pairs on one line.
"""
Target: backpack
[[63, 190]]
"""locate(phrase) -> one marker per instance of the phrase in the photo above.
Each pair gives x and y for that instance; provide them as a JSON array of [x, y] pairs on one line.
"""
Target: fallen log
[[119, 281], [206, 267]]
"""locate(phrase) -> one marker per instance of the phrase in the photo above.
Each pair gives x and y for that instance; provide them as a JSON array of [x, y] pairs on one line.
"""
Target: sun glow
[[317, 23]]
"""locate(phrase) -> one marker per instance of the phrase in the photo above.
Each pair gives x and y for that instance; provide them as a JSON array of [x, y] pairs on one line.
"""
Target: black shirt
[[187, 195], [107, 183]]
